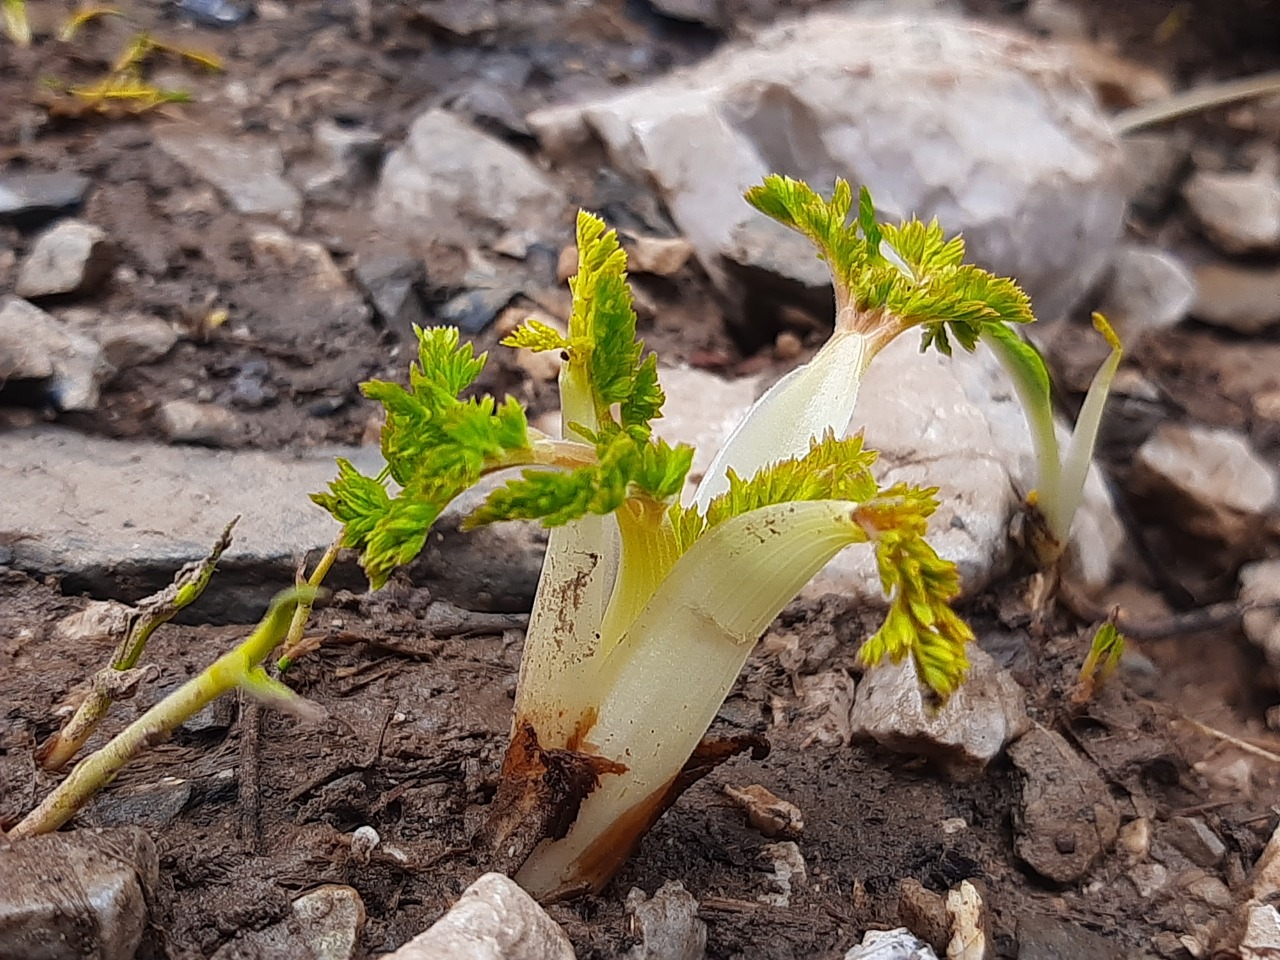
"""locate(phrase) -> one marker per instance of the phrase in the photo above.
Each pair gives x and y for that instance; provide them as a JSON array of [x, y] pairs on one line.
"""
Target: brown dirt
[[419, 722]]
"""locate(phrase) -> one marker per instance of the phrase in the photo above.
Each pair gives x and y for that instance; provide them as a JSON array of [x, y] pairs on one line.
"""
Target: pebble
[[455, 184], [924, 913], [1260, 584], [769, 814], [1243, 299], [1051, 938], [967, 916], [129, 340], [1150, 290], [184, 421], [1208, 480], [660, 256], [349, 157], [28, 199], [666, 924], [68, 259], [1195, 840], [248, 172], [1211, 891], [323, 924], [899, 944], [1135, 838], [75, 894], [1149, 878], [393, 284], [964, 735], [1153, 164], [35, 346], [1261, 938], [1065, 819], [1239, 211], [493, 920]]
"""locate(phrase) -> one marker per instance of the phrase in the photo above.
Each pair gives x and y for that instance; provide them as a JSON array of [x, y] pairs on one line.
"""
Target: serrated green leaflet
[[536, 336]]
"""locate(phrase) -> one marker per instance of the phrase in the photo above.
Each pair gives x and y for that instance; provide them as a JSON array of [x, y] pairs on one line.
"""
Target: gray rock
[[660, 256], [1243, 299], [117, 519], [460, 18], [1239, 211], [1260, 584], [1065, 819], [898, 944], [968, 732], [1150, 290], [131, 340], [184, 421], [249, 173], [73, 257], [905, 108], [706, 12], [1196, 841], [35, 346], [457, 185], [347, 159], [473, 311], [1050, 938], [392, 283], [29, 199], [77, 894], [667, 924], [493, 919], [1209, 481], [1211, 891], [323, 924], [1149, 878]]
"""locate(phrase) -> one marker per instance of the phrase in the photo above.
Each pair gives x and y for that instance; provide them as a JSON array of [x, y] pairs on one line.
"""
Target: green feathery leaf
[[536, 336], [831, 470], [435, 445], [896, 276], [602, 332], [626, 468], [920, 622], [1105, 651]]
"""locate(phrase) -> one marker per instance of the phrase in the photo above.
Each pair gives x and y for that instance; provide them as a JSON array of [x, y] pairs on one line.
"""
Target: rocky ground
[[190, 295]]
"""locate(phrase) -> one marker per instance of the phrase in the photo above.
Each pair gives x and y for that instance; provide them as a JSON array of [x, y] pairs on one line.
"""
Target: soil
[[248, 811]]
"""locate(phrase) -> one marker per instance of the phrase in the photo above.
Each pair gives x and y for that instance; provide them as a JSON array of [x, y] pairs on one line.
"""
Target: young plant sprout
[[648, 608], [1060, 479], [1105, 651], [240, 668]]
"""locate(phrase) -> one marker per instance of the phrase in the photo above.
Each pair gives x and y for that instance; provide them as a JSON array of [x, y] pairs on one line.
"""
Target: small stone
[[790, 874], [667, 925], [826, 707], [969, 924], [1261, 939], [392, 283], [660, 256], [897, 944], [70, 258], [1239, 211], [1260, 586], [129, 341], [323, 924], [77, 894], [769, 814], [964, 735], [349, 156], [275, 249], [495, 919], [249, 173], [35, 346], [1209, 481], [1243, 299], [30, 199], [451, 182], [1135, 838], [1211, 891], [463, 19], [1149, 878], [706, 12], [924, 913], [205, 423], [787, 346], [473, 311], [1061, 794], [1195, 840], [1150, 290], [364, 840], [1050, 938]]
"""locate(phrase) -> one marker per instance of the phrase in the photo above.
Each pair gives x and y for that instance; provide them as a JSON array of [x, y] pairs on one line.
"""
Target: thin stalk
[[293, 641], [119, 680], [238, 668]]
